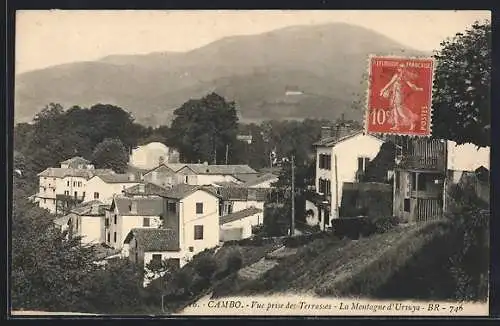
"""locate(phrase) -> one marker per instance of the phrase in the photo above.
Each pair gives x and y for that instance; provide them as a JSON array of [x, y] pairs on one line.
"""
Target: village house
[[425, 170], [239, 225], [162, 175], [150, 155], [149, 246], [341, 157], [104, 186], [126, 213], [205, 174], [87, 221], [61, 189]]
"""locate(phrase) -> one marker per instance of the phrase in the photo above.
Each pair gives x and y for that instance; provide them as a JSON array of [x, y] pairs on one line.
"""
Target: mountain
[[323, 64]]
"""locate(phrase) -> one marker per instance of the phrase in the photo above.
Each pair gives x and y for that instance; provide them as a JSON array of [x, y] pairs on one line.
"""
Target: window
[[44, 201], [198, 232], [83, 194], [114, 237], [74, 183], [191, 249], [79, 183], [106, 222], [199, 208], [53, 189], [76, 194], [115, 218], [422, 182], [396, 177], [171, 207], [407, 204], [156, 260], [77, 223], [186, 179], [67, 183], [96, 195], [145, 222], [108, 238], [66, 192], [325, 161]]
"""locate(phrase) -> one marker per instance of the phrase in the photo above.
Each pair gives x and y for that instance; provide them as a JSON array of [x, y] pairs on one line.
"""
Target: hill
[[374, 267], [325, 63]]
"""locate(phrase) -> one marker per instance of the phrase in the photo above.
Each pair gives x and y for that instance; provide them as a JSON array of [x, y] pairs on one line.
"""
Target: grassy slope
[[339, 267]]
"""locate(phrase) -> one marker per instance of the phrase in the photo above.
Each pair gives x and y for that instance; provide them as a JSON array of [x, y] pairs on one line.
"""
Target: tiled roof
[[145, 206], [182, 190], [148, 189], [162, 167], [71, 172], [332, 141], [239, 215], [151, 239], [76, 160], [238, 193], [177, 166], [260, 179], [63, 220], [86, 208], [221, 169], [226, 184], [118, 178]]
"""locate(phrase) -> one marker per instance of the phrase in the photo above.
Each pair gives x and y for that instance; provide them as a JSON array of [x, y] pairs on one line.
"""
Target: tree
[[461, 97], [202, 129], [377, 169], [205, 267], [111, 154], [48, 269]]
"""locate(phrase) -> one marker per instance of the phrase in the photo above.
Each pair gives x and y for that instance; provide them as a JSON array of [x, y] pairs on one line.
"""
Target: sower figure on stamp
[[400, 114]]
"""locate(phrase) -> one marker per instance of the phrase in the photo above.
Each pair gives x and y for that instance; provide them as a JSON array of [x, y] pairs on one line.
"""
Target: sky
[[48, 38]]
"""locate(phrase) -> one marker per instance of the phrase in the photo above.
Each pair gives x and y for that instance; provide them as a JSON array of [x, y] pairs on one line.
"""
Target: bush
[[294, 242], [385, 224], [205, 266], [353, 227], [234, 262]]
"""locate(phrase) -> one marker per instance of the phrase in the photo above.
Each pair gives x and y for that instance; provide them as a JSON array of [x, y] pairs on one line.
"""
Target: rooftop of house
[[238, 193], [151, 239], [334, 140], [182, 190], [145, 189], [239, 215], [259, 179], [119, 178], [90, 208], [72, 172], [138, 206], [221, 169]]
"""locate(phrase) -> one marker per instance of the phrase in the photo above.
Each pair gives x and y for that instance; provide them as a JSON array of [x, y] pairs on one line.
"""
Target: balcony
[[422, 163]]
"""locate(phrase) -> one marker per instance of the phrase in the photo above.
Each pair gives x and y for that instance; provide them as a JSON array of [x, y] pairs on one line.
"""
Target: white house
[[104, 187], [465, 158], [150, 155], [126, 213], [205, 174], [341, 158], [153, 246], [238, 225], [63, 187], [87, 221]]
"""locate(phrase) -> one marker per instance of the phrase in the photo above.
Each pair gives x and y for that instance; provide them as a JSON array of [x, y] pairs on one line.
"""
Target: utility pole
[[292, 227], [227, 152]]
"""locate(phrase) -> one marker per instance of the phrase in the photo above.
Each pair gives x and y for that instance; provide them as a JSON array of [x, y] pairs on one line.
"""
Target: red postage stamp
[[399, 96]]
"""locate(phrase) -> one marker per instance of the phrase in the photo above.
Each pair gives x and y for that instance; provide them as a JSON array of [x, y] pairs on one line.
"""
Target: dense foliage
[[111, 154], [462, 87]]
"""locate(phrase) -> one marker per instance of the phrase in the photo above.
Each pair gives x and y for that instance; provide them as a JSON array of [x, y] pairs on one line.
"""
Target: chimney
[[326, 132], [131, 177], [133, 207], [342, 129], [94, 209]]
